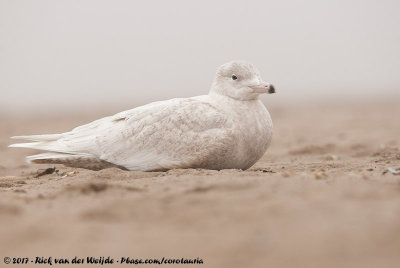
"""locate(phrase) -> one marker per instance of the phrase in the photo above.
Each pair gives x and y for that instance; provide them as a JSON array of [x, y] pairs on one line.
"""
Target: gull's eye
[[234, 77]]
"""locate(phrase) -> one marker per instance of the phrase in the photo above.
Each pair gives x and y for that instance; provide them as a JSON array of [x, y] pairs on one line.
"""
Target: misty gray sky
[[90, 54]]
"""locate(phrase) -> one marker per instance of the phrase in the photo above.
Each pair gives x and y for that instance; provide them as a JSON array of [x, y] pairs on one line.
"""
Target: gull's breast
[[253, 134]]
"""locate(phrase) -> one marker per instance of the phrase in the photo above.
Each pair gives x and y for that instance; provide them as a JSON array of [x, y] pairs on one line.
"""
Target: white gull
[[229, 128]]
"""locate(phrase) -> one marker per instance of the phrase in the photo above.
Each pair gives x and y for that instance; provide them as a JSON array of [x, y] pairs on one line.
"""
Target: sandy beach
[[322, 196]]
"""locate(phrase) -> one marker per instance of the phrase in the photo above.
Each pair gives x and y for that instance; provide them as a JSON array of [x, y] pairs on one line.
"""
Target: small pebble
[[320, 175], [69, 174], [394, 171], [332, 157]]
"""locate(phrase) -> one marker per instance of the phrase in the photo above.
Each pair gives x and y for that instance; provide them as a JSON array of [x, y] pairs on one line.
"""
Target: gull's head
[[240, 80]]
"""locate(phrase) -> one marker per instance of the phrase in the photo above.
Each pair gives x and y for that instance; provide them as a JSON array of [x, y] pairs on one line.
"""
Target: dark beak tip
[[271, 89]]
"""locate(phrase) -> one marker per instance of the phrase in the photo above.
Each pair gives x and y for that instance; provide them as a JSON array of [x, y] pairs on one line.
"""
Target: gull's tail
[[60, 153], [41, 142]]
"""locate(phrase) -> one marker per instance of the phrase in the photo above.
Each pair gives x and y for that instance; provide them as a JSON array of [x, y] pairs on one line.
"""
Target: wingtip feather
[[15, 145], [32, 145], [44, 137]]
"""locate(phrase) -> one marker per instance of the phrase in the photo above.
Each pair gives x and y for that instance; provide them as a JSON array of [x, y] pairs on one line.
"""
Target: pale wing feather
[[86, 139], [176, 133]]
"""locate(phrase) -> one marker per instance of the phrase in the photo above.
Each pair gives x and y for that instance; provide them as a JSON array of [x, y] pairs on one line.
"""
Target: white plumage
[[228, 128]]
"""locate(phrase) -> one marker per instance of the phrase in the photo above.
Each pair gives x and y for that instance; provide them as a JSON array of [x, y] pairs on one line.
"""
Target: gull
[[229, 128]]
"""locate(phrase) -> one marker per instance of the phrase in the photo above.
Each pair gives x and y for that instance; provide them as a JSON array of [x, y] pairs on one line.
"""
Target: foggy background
[[62, 55]]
